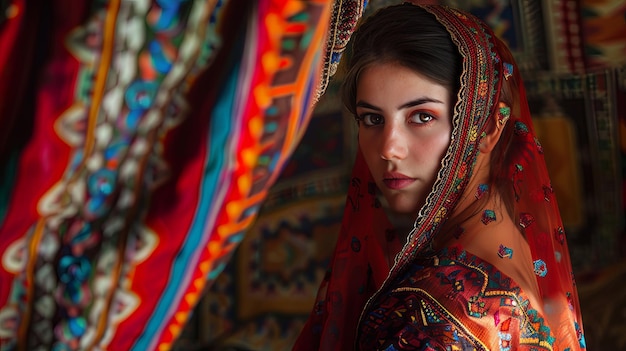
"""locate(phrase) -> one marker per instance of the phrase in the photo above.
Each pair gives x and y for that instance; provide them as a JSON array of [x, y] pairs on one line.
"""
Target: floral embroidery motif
[[541, 269], [580, 335], [508, 70], [505, 252], [504, 113], [488, 217], [559, 235], [521, 129], [539, 147], [482, 189], [476, 307], [410, 316], [547, 192], [525, 220], [505, 341]]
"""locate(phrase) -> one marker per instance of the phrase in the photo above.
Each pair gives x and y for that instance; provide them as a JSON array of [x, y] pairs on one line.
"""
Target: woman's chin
[[399, 205], [403, 206], [402, 210]]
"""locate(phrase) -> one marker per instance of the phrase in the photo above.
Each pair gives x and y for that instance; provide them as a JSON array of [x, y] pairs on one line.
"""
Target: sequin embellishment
[[521, 129], [488, 217], [540, 268], [508, 70], [559, 235], [525, 220], [505, 252], [482, 189]]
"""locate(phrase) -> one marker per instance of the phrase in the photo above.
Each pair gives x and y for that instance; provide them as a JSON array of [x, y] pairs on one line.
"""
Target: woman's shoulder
[[455, 274], [455, 299]]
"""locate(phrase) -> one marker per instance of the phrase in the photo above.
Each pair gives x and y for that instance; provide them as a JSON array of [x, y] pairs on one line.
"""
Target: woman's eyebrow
[[411, 103], [366, 105], [419, 101]]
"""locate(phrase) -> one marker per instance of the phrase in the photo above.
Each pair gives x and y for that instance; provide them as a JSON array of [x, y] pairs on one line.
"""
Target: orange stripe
[[307, 61], [30, 286], [98, 92], [282, 90], [101, 76]]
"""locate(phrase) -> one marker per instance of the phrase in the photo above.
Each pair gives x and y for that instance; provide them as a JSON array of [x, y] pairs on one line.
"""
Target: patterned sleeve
[[402, 323], [411, 319]]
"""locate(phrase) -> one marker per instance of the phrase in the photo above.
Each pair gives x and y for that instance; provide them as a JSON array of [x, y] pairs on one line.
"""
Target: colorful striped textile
[[139, 139]]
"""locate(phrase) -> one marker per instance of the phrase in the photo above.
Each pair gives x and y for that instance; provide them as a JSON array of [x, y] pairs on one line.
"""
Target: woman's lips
[[396, 181]]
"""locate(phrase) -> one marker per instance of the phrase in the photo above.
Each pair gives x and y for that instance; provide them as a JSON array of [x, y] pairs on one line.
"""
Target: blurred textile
[[603, 29], [585, 158], [265, 293], [138, 141]]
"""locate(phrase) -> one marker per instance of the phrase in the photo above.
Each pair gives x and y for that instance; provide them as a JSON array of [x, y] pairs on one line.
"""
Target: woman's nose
[[393, 144]]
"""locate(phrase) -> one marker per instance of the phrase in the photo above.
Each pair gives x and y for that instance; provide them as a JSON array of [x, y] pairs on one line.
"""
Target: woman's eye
[[372, 119], [421, 118]]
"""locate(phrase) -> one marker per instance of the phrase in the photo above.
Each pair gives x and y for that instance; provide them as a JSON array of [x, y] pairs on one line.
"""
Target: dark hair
[[406, 35]]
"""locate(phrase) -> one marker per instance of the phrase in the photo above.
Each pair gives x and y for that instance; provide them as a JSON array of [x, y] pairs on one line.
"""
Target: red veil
[[360, 271]]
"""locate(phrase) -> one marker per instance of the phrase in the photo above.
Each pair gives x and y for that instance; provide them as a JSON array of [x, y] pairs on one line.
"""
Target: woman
[[445, 136]]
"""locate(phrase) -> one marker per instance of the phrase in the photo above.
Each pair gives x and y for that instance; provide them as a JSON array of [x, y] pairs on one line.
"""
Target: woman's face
[[404, 131]]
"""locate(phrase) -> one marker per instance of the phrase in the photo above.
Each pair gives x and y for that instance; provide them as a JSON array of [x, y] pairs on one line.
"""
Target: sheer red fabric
[[426, 299]]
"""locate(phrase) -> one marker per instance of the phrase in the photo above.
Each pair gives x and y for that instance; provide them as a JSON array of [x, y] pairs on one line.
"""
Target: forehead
[[396, 80]]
